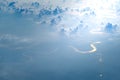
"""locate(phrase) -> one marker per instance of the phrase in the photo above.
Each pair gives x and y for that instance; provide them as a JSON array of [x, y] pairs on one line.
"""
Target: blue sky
[[59, 39]]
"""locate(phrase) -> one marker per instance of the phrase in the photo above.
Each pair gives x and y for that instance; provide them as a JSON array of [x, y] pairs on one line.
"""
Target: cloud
[[110, 28], [13, 41], [65, 16]]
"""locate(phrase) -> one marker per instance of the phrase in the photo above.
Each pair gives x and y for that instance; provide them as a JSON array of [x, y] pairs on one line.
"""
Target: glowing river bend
[[92, 45]]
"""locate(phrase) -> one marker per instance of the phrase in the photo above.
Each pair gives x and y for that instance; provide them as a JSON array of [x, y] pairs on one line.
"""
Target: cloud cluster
[[68, 17]]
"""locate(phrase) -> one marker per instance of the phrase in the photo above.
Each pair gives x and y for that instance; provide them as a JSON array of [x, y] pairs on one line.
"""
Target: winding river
[[92, 45]]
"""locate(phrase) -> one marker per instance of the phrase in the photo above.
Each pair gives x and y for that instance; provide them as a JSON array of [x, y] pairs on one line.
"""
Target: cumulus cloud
[[110, 28], [66, 15]]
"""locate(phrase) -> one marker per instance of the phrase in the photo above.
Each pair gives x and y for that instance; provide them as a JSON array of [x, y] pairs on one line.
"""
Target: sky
[[61, 12], [59, 39]]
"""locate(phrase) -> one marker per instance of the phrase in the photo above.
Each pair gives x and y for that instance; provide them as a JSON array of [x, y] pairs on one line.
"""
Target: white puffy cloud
[[67, 15]]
